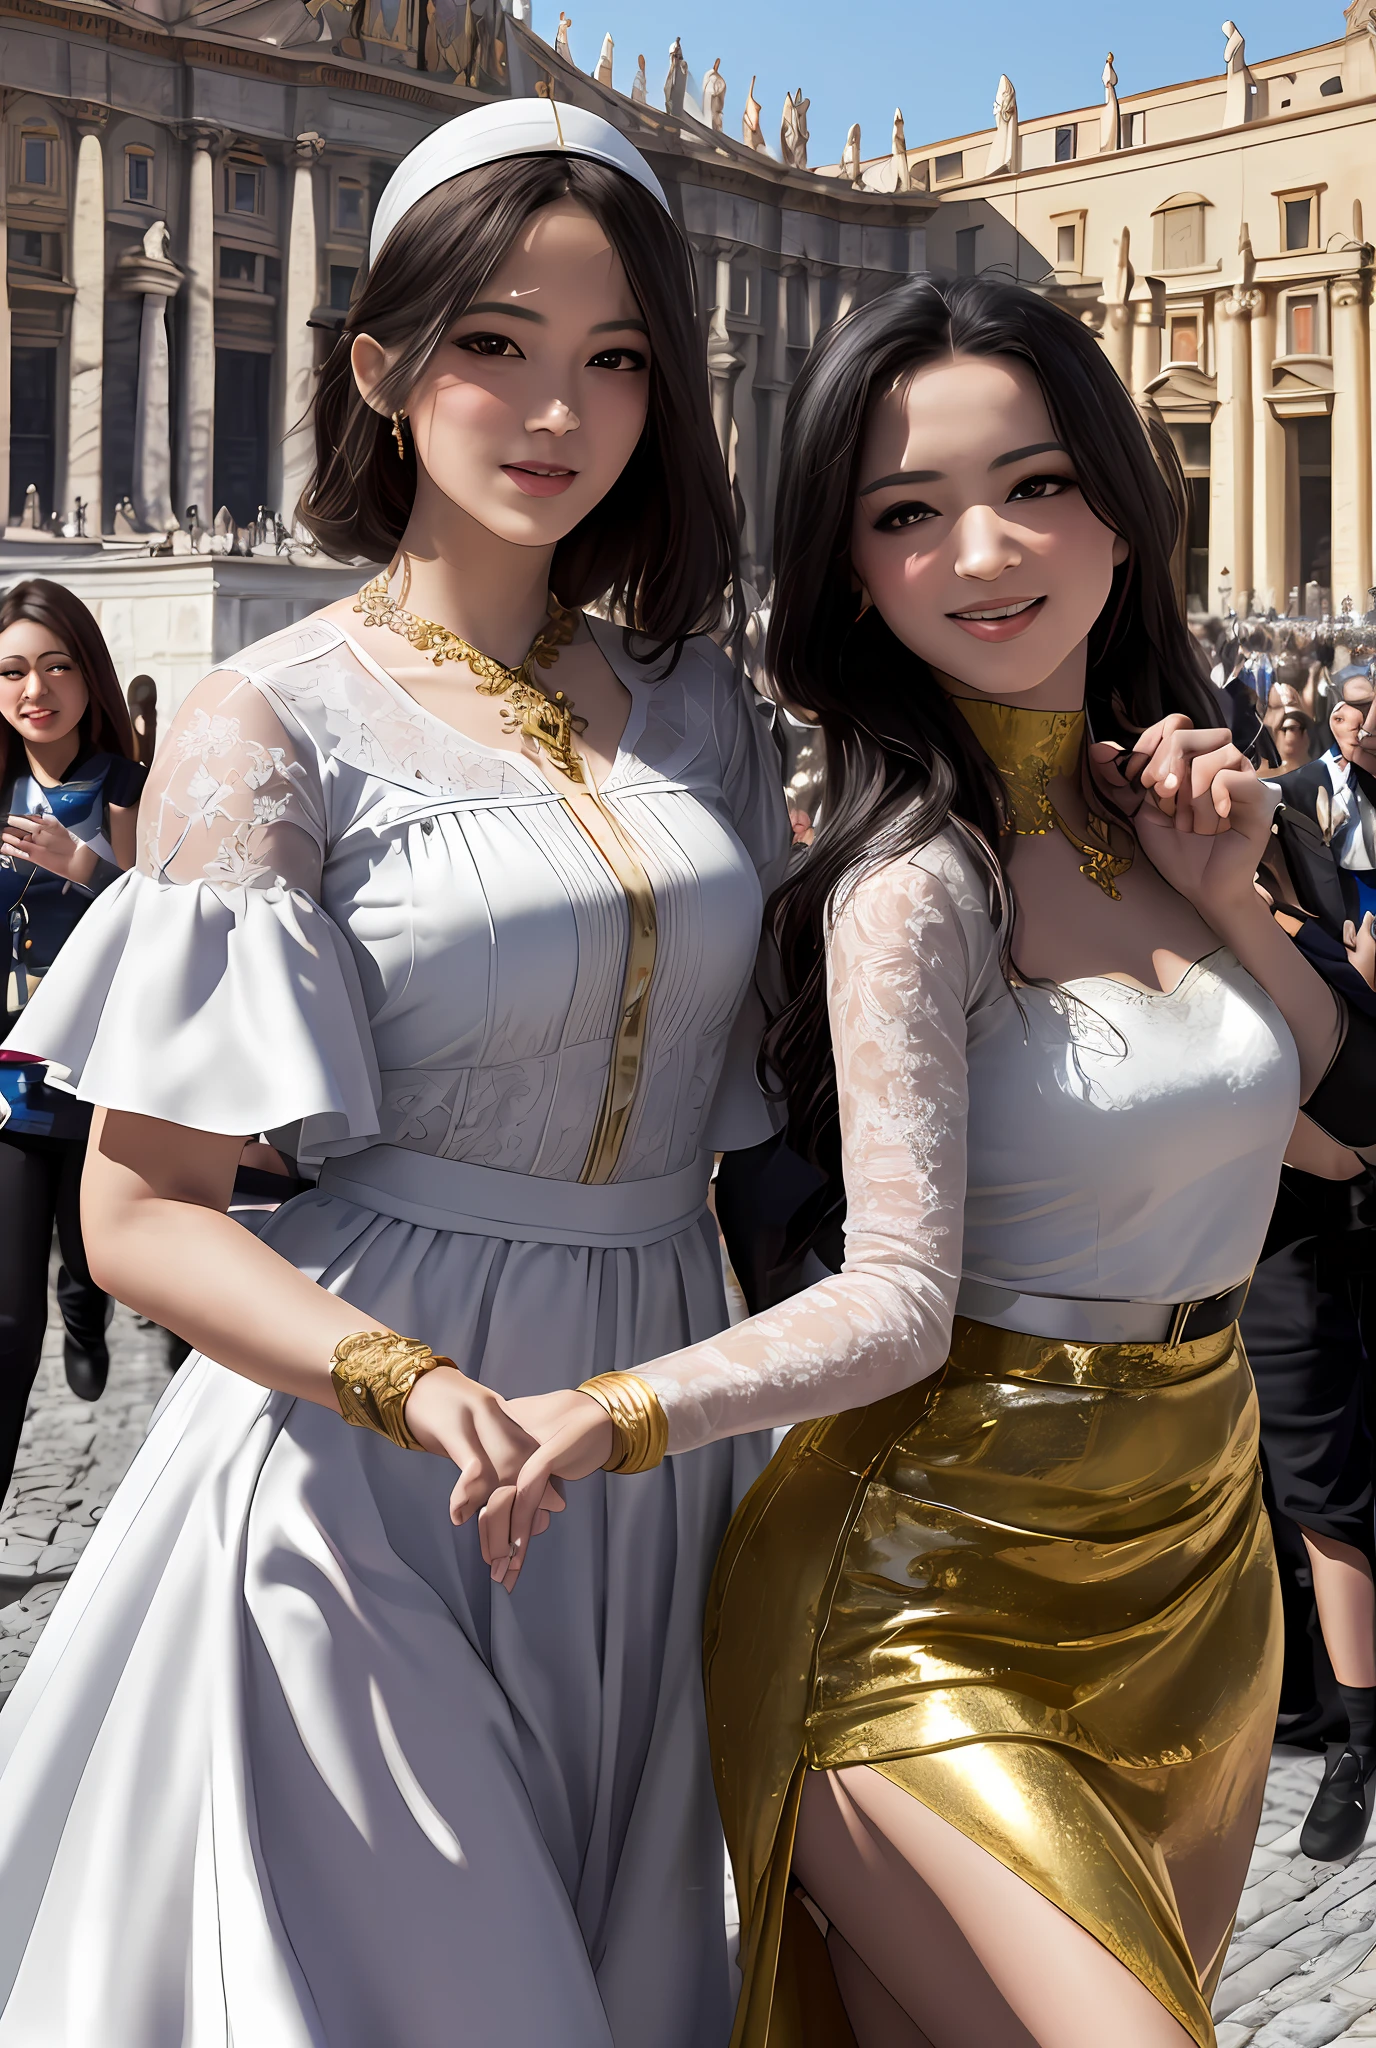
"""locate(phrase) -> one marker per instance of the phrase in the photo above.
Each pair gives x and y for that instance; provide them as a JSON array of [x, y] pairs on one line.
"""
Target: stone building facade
[[1217, 236], [187, 188]]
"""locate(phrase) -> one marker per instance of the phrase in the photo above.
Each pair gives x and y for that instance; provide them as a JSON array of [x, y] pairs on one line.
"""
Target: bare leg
[[966, 1950], [1346, 1601], [878, 2021]]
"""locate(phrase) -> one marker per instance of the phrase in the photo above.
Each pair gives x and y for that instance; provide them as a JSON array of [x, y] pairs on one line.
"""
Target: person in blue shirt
[[69, 791]]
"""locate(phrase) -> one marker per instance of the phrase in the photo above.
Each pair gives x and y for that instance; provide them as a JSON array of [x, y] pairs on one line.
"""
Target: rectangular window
[[1065, 246], [241, 431], [1193, 444], [341, 286], [1065, 145], [349, 208], [1302, 320], [967, 259], [739, 302], [245, 186], [799, 320], [952, 165], [26, 248], [1185, 340], [36, 155], [239, 266], [1182, 238], [1298, 214], [1132, 128], [33, 435], [138, 176]]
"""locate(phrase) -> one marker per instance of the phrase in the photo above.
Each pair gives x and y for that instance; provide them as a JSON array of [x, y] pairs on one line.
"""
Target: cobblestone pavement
[[1302, 1969]]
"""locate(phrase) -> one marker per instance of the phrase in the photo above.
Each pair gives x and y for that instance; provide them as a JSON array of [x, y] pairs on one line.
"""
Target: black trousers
[[40, 1186], [1310, 1333]]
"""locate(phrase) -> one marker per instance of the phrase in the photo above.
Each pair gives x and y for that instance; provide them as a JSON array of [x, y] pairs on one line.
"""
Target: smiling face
[[532, 406], [42, 691], [971, 536]]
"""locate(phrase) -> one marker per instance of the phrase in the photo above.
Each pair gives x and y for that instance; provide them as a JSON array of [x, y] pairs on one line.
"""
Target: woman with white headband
[[456, 891]]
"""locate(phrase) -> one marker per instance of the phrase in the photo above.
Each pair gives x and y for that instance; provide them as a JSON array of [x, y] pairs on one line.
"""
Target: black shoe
[[87, 1366], [1336, 1823]]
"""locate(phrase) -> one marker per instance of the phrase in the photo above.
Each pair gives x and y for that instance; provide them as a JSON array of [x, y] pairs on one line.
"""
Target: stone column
[[1268, 463], [1148, 323], [294, 456], [1351, 444], [197, 411], [1230, 511], [149, 274], [724, 362], [86, 350]]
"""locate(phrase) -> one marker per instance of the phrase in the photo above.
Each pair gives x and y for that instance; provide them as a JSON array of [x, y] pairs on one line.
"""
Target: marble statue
[[714, 96], [751, 133], [1247, 264], [640, 85], [603, 73], [1238, 97], [1110, 125], [850, 156], [1003, 150], [1118, 291], [793, 131], [675, 79], [902, 175], [561, 37]]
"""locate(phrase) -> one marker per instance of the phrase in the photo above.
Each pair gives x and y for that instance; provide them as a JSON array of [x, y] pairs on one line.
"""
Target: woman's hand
[[463, 1420], [572, 1437], [1204, 814], [48, 844]]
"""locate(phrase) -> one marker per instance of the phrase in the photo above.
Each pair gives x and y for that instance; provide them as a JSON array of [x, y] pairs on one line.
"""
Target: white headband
[[487, 135]]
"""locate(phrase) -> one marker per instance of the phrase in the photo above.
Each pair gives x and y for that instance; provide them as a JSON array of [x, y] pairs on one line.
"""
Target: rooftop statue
[[714, 96], [561, 37], [902, 175], [640, 85], [603, 74], [1110, 125], [850, 156], [675, 79], [1003, 150], [752, 135], [793, 131]]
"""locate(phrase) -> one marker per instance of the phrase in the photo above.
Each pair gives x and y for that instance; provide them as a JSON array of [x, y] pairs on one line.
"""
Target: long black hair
[[661, 547], [899, 761], [105, 722]]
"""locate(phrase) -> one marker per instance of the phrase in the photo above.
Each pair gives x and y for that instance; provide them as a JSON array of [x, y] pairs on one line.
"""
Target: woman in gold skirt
[[991, 1654]]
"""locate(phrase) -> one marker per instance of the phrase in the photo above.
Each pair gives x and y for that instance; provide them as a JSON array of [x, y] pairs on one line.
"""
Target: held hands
[[458, 1418], [571, 1437], [48, 844], [1201, 812]]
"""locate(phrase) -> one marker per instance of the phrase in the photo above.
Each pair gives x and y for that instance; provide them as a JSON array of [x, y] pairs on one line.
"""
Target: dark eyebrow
[[906, 476], [1036, 448], [620, 326], [504, 308]]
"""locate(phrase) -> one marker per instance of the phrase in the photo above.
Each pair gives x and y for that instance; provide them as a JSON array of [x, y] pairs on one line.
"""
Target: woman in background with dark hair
[[465, 886], [991, 1655], [69, 791]]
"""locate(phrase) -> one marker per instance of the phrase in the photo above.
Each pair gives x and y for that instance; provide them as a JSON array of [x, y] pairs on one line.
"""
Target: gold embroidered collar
[[1030, 748]]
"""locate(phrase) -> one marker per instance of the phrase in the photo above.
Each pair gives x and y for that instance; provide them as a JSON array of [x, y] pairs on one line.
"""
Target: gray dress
[[286, 1768]]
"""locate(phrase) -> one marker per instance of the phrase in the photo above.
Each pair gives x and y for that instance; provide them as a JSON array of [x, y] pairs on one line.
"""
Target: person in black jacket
[[69, 790], [1338, 791]]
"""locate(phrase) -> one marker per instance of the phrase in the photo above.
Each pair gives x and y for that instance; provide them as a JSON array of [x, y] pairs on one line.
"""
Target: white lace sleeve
[[231, 799], [208, 987], [900, 979]]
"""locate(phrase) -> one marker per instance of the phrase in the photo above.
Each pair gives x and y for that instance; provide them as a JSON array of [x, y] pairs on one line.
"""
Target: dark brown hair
[[661, 546], [899, 762], [104, 726]]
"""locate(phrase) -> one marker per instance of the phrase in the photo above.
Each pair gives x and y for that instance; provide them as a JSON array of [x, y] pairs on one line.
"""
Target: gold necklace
[[546, 718], [1029, 747]]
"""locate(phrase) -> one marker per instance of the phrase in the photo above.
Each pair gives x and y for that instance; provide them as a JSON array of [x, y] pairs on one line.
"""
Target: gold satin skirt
[[1037, 1592]]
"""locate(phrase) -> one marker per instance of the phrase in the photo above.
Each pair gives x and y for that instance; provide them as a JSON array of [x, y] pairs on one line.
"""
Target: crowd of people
[[1027, 1027]]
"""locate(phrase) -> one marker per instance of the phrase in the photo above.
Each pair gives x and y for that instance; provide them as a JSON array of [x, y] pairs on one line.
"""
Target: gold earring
[[397, 418]]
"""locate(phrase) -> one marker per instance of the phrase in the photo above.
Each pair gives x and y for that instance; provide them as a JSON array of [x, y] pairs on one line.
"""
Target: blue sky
[[939, 61]]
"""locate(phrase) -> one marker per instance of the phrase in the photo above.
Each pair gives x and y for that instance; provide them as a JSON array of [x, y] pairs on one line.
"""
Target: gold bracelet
[[640, 1428], [373, 1372]]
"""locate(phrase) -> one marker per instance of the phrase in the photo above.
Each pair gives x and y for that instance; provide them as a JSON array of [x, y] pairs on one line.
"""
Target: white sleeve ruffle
[[234, 1010]]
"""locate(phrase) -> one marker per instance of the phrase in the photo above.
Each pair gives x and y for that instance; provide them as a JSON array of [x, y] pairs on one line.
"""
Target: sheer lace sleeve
[[208, 987], [231, 800], [900, 978]]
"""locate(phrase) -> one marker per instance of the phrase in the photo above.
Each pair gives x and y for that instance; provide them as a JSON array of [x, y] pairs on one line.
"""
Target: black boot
[[87, 1363], [1336, 1823]]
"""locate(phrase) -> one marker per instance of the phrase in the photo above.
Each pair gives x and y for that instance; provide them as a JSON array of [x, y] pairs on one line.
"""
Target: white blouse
[[1106, 1142]]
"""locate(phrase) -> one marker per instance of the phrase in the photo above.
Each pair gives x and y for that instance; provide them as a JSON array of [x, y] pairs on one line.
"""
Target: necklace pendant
[[1104, 868]]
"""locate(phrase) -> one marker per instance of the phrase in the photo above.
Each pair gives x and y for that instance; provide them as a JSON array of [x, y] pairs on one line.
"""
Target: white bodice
[[1100, 1142], [352, 920]]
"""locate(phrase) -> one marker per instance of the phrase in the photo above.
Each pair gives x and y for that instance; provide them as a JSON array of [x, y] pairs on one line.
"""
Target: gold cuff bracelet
[[373, 1372], [640, 1428]]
